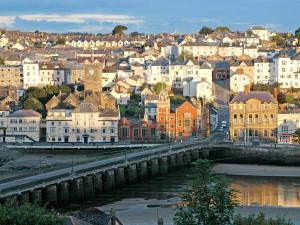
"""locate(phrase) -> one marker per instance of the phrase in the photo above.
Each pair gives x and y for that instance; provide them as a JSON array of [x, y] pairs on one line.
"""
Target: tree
[[184, 56], [278, 40], [209, 201], [61, 41], [297, 33], [260, 219], [33, 104], [135, 34], [206, 30], [27, 214], [2, 61], [297, 132], [119, 30], [159, 87], [222, 29]]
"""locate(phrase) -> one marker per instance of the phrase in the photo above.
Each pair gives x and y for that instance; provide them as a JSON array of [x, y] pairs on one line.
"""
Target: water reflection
[[264, 191]]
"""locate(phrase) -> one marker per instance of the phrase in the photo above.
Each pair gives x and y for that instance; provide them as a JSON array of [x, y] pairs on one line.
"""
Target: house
[[245, 63], [84, 124], [262, 32], [288, 123], [11, 76], [239, 81], [198, 87], [4, 112], [121, 97], [264, 71], [159, 72], [253, 116], [23, 126]]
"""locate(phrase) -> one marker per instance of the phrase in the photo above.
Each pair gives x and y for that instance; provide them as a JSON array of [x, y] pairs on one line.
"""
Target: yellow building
[[10, 76], [254, 114]]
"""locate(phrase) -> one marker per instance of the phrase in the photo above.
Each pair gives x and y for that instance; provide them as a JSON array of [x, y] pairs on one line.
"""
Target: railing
[[49, 178]]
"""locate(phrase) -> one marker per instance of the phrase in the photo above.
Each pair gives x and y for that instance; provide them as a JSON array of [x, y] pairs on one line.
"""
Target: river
[[144, 202]]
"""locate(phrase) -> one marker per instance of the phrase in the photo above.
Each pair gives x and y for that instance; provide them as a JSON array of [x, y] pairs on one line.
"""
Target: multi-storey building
[[264, 71], [239, 81], [288, 123], [253, 116], [11, 76], [159, 72], [31, 75], [4, 112], [85, 124], [23, 126], [262, 32]]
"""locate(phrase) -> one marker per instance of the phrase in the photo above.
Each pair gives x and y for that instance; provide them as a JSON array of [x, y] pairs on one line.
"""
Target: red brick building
[[137, 130]]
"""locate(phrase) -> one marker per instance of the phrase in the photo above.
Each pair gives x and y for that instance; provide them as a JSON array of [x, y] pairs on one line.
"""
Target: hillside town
[[135, 88]]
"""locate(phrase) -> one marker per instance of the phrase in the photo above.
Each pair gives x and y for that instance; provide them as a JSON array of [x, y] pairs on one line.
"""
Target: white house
[[238, 81], [288, 123], [23, 126], [264, 71], [122, 98], [198, 87], [31, 75], [262, 32], [4, 112], [159, 72]]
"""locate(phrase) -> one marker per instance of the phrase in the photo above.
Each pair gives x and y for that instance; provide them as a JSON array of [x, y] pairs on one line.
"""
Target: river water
[[144, 202]]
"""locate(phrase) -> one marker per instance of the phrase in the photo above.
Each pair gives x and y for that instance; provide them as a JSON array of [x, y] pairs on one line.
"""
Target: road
[[222, 94], [52, 177]]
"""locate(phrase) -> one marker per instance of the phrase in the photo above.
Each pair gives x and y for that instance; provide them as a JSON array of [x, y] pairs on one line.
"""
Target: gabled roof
[[86, 107], [161, 62]]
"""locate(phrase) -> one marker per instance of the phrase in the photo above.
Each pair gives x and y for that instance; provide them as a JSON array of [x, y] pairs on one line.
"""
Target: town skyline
[[146, 17]]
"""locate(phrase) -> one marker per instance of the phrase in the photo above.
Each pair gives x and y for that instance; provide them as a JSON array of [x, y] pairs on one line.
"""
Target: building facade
[[253, 116]]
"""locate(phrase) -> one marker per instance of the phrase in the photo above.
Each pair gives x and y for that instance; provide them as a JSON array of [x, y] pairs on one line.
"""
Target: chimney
[[247, 89]]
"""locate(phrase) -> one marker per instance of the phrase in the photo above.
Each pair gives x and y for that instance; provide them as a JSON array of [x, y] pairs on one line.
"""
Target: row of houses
[[69, 120]]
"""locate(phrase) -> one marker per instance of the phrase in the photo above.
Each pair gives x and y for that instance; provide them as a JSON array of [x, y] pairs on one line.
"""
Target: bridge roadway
[[27, 184]]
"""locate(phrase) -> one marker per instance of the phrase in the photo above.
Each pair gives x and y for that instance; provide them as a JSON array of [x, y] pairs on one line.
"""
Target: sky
[[147, 16]]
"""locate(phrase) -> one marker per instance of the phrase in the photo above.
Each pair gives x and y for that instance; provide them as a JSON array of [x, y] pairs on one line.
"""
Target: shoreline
[[253, 170]]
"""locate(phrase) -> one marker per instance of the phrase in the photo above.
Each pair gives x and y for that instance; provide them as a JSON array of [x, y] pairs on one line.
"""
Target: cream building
[[239, 81], [23, 126], [85, 124], [288, 123]]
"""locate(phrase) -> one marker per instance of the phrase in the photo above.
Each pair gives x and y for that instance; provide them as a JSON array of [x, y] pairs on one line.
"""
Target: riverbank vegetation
[[12, 213], [210, 201]]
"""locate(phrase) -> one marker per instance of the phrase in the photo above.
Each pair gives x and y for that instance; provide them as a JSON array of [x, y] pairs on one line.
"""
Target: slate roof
[[108, 113], [25, 113], [263, 96], [161, 62], [85, 107]]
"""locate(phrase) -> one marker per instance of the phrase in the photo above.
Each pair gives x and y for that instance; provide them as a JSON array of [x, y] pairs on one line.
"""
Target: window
[[66, 130], [124, 131], [112, 131], [179, 123], [256, 133], [250, 133], [187, 123], [103, 131], [135, 132], [250, 118], [144, 132], [235, 133], [265, 133], [256, 118], [153, 132]]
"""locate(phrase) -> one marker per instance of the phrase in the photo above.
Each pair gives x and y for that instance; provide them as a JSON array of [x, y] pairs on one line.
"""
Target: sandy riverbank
[[257, 170]]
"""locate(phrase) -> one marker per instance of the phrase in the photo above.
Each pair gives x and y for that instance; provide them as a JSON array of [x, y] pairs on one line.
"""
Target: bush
[[27, 214], [260, 219]]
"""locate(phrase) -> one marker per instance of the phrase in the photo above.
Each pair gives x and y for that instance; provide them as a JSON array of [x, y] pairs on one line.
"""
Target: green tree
[[260, 219], [206, 30], [159, 87], [278, 40], [119, 30], [184, 56], [297, 132], [135, 34], [222, 29], [209, 201], [297, 33], [27, 214], [2, 61], [34, 104], [61, 41]]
